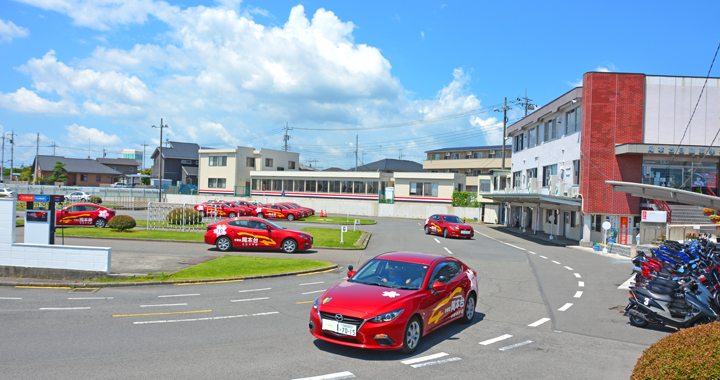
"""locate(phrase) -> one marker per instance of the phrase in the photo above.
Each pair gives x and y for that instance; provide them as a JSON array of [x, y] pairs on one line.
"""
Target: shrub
[[692, 353], [122, 222], [96, 200], [189, 216]]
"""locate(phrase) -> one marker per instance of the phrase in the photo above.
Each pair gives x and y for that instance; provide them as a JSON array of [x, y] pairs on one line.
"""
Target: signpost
[[357, 221], [342, 231], [606, 226]]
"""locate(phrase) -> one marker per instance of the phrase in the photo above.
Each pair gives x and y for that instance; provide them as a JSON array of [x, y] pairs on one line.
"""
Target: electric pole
[[37, 159], [287, 137], [12, 152], [142, 165], [524, 102], [401, 155], [2, 161], [104, 154], [53, 146], [504, 111], [160, 164], [356, 151]]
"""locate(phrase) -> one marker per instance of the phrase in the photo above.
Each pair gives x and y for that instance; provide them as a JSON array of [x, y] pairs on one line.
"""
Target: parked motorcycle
[[680, 309]]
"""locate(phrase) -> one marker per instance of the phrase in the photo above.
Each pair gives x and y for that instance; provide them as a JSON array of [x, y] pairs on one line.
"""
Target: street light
[[160, 165]]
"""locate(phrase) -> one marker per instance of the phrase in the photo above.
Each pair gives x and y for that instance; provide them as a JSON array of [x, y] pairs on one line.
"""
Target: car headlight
[[387, 317], [453, 227], [315, 305], [304, 237]]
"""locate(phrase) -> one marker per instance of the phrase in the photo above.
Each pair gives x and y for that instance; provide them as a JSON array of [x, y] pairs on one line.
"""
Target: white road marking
[[332, 376], [565, 307], [64, 308], [487, 236], [10, 298], [423, 358], [438, 241], [435, 362], [179, 295], [515, 246], [316, 291], [581, 284], [577, 275], [167, 304], [494, 340], [516, 345], [313, 283], [205, 319], [627, 283], [533, 252], [555, 262], [253, 290], [448, 251], [544, 257], [568, 268], [578, 294], [92, 298], [251, 299], [538, 322]]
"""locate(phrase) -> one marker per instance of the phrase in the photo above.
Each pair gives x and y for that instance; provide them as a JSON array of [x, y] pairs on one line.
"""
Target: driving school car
[[84, 214], [256, 233], [394, 300], [448, 225], [272, 210], [220, 209]]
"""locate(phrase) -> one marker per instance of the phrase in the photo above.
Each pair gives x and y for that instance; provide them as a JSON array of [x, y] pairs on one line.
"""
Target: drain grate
[[199, 260], [84, 290]]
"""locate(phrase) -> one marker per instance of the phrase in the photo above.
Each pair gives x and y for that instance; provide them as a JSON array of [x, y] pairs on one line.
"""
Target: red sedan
[[448, 225], [220, 209], [394, 300], [256, 233], [244, 205], [83, 214], [272, 210], [308, 210]]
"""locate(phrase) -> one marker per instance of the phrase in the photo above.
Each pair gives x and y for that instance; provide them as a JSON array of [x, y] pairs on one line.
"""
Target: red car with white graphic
[[307, 210], [84, 214], [256, 233], [448, 225], [273, 210], [217, 208], [394, 300], [245, 205]]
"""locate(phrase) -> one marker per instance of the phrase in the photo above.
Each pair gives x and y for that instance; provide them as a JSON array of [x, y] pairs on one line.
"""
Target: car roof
[[444, 215], [411, 257]]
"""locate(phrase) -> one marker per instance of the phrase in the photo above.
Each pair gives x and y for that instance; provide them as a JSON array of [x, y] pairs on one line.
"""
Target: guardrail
[[96, 191]]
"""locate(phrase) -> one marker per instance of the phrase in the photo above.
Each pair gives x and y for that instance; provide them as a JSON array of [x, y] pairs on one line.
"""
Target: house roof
[[306, 168], [333, 169], [179, 150], [118, 161], [393, 165], [74, 165], [467, 148], [190, 170]]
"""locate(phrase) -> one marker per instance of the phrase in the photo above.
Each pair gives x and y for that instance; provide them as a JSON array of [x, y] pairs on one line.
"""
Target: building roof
[[74, 165], [190, 170], [306, 168], [392, 165], [467, 148], [118, 161], [179, 150], [333, 169]]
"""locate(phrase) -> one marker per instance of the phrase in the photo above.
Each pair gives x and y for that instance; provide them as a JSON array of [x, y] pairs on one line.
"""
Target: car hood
[[365, 301], [463, 225]]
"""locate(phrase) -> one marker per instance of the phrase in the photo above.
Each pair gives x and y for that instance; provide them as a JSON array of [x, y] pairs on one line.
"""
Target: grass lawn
[[328, 237], [131, 234], [19, 222], [335, 219], [232, 266]]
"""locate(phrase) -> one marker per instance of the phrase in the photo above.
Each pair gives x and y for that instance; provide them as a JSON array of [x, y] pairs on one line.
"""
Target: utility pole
[[287, 137], [104, 154], [142, 165], [401, 155], [37, 159], [524, 102], [356, 151], [12, 152], [504, 111], [2, 161], [310, 162], [160, 164], [53, 146]]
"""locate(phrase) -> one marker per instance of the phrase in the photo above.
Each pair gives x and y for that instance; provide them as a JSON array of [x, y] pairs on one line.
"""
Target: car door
[[237, 231], [434, 224], [442, 306], [262, 237], [73, 216]]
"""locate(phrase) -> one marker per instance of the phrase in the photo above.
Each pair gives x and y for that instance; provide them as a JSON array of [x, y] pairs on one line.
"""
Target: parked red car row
[[284, 210]]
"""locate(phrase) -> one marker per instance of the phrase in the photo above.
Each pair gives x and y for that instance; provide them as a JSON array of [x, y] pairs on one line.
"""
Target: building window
[[478, 155], [250, 162], [322, 186], [598, 223], [269, 162], [266, 184], [573, 120], [572, 218], [215, 161], [455, 156], [186, 162], [216, 183], [516, 179], [531, 138], [334, 186], [358, 187], [277, 185], [484, 185], [576, 172], [97, 178], [372, 187], [255, 184], [300, 185], [291, 164], [532, 173], [547, 172], [288, 185], [310, 186], [347, 187], [424, 189], [435, 156], [280, 169], [83, 177]]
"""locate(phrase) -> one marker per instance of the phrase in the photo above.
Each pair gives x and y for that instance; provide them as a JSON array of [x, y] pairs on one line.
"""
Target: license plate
[[464, 232], [339, 327]]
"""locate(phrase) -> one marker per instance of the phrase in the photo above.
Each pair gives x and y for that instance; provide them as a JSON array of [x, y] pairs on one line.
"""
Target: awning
[[551, 202], [668, 194]]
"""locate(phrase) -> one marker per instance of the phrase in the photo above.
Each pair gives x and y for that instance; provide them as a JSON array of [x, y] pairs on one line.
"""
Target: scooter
[[681, 311]]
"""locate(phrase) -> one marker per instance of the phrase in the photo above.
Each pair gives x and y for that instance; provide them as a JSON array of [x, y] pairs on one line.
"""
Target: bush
[[122, 222], [189, 216], [96, 200], [692, 353], [464, 199]]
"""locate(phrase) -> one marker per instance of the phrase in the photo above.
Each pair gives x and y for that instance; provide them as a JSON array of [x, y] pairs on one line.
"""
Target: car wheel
[[203, 213], [223, 243], [427, 230], [232, 215], [99, 223], [469, 309], [291, 217], [445, 233], [289, 246], [411, 338], [260, 215]]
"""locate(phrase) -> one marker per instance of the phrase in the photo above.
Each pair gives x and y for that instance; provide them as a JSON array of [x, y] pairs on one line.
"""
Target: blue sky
[[90, 75]]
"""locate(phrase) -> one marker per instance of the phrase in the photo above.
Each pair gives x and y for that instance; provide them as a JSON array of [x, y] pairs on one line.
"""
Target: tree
[[146, 181], [58, 173]]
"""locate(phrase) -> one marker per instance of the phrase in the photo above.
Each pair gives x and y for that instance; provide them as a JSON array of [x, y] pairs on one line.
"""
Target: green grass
[[230, 267], [328, 237], [335, 219], [132, 234], [19, 222]]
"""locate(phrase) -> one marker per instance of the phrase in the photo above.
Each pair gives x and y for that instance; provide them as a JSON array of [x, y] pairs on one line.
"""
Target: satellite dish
[[606, 226]]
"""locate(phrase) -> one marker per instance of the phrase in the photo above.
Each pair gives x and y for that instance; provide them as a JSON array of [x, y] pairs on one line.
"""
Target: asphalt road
[[544, 312]]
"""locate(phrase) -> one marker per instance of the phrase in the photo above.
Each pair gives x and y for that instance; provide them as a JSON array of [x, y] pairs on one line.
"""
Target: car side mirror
[[269, 229], [438, 286]]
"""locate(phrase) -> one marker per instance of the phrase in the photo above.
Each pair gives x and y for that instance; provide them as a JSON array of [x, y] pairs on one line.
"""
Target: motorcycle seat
[[656, 296]]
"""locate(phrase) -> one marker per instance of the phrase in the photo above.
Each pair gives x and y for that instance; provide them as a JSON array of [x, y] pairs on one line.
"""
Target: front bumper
[[375, 336]]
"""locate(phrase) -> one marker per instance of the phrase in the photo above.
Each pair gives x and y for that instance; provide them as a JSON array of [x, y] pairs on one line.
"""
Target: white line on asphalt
[[515, 246], [578, 294], [555, 262], [493, 340], [178, 295], [423, 358], [565, 307], [533, 252], [167, 304], [516, 345], [448, 251], [581, 284], [10, 298], [91, 298], [205, 319], [568, 268], [627, 283], [544, 257], [435, 362], [316, 291], [313, 283], [253, 290], [64, 308], [438, 241], [332, 376], [487, 236], [251, 299], [538, 322], [577, 275]]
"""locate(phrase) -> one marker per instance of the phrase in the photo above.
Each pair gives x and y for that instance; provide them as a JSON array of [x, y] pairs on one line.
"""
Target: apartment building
[[475, 162]]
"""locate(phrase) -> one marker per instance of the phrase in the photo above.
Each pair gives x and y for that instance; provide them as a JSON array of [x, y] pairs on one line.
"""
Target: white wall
[[562, 151]]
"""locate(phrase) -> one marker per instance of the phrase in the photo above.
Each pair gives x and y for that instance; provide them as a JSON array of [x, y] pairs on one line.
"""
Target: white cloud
[[8, 31], [576, 83], [606, 67], [79, 136], [26, 101], [422, 35]]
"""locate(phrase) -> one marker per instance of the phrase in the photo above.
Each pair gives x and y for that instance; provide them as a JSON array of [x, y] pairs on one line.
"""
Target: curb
[[531, 237]]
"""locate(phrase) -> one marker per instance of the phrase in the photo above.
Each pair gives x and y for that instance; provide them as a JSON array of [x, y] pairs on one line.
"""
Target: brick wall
[[612, 114]]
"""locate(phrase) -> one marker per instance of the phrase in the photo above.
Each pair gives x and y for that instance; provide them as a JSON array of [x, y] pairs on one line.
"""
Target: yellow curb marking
[[307, 274], [209, 282], [298, 303], [44, 287]]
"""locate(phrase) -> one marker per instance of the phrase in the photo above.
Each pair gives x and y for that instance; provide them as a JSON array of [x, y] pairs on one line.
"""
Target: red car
[[83, 214], [220, 209], [287, 206], [310, 211], [255, 233], [246, 206], [394, 300], [448, 225], [273, 210]]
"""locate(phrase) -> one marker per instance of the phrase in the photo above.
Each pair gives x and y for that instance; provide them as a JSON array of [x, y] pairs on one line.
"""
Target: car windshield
[[273, 224], [452, 219], [391, 274]]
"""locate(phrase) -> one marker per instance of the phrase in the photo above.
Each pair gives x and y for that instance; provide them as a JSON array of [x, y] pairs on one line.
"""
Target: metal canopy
[[665, 194], [535, 200]]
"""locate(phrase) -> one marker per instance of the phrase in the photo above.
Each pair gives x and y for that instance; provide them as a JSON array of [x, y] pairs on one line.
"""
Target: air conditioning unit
[[559, 189], [447, 154], [469, 153], [492, 152], [468, 171], [574, 191], [533, 186]]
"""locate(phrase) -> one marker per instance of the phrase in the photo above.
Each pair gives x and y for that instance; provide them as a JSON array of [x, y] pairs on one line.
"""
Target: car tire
[[260, 215], [290, 217], [411, 336], [469, 309], [203, 213], [427, 230], [445, 233], [99, 222], [289, 245], [223, 243], [232, 215]]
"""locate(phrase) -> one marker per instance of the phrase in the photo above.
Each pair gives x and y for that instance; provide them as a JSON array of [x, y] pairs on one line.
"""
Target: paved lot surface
[[544, 312]]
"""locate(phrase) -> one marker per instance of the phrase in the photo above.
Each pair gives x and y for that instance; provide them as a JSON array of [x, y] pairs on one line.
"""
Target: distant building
[[80, 171], [126, 166], [177, 161], [133, 154], [390, 165], [476, 162]]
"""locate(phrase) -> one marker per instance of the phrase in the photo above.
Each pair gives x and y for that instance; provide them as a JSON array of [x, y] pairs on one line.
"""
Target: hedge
[[96, 200], [122, 222], [188, 215]]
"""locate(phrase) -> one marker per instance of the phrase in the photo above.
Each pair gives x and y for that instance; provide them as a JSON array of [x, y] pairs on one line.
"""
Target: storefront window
[[685, 175]]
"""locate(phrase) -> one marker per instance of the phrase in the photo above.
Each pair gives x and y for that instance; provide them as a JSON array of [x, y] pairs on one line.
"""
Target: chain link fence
[[178, 217]]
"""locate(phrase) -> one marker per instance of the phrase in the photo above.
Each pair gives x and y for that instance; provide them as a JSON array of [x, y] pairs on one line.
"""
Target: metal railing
[[178, 216], [663, 206], [96, 191]]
